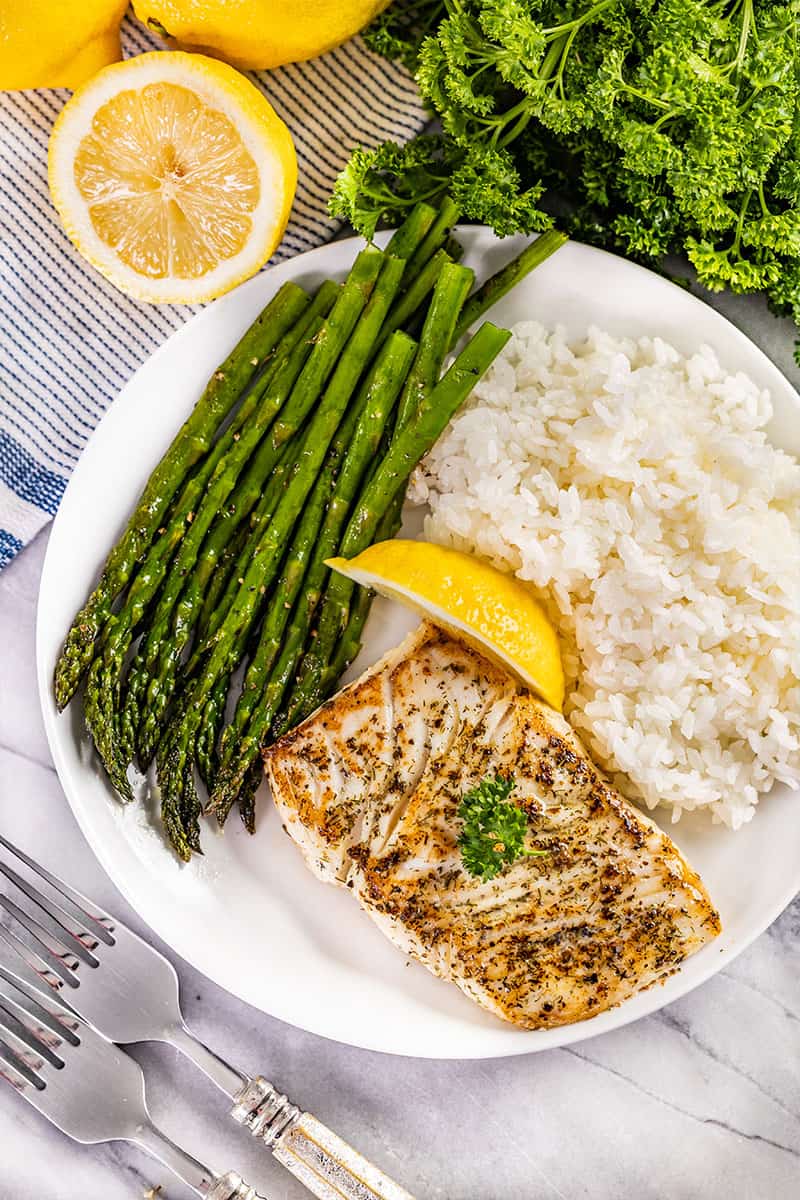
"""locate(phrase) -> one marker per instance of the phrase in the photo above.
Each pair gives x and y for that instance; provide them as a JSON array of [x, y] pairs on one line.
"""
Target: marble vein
[[787, 1012], [31, 758], [684, 1112], [672, 1020]]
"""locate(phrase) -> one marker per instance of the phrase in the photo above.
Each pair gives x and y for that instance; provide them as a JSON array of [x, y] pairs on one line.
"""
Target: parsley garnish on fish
[[493, 835]]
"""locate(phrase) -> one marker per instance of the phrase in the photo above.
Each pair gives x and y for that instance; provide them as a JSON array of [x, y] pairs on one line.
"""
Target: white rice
[[636, 490]]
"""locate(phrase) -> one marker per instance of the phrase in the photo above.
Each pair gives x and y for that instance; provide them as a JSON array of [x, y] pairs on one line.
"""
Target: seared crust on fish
[[369, 786]]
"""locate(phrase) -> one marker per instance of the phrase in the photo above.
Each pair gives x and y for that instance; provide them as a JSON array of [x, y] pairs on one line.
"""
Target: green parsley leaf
[[493, 831]]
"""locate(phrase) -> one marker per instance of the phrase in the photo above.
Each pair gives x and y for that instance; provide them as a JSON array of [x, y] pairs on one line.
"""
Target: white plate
[[248, 914]]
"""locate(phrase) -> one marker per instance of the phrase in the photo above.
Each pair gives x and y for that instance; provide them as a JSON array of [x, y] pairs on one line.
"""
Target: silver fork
[[128, 992], [89, 1088]]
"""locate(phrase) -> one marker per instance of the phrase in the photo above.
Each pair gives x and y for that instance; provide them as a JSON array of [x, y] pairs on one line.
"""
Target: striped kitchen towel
[[68, 339]]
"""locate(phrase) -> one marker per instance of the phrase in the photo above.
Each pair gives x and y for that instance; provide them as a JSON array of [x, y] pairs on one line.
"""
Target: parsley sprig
[[493, 832], [653, 127]]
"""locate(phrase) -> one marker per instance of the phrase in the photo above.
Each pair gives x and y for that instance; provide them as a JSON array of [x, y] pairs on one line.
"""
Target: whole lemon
[[258, 33], [47, 43]]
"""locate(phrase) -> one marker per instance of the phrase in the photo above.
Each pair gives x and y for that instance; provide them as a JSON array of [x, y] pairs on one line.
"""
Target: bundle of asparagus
[[299, 449]]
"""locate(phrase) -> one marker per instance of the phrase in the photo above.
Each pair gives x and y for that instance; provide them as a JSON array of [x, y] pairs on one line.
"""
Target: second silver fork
[[88, 1087], [129, 992]]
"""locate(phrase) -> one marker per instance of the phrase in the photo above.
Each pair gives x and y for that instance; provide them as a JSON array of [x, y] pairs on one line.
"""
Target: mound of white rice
[[636, 490]]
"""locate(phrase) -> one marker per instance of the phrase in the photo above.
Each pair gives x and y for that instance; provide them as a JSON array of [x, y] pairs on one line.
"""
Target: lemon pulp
[[168, 182]]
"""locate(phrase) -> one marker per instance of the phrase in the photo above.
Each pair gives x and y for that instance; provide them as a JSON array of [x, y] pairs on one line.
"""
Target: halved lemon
[[173, 176], [492, 611]]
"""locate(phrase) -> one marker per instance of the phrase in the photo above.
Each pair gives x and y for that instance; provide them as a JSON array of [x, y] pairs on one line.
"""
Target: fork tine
[[42, 949], [27, 959], [20, 1067], [22, 1033], [53, 916], [73, 905], [47, 921], [31, 1027], [14, 989]]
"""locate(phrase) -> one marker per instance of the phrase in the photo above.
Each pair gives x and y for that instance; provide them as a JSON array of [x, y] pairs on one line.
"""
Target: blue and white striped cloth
[[68, 339]]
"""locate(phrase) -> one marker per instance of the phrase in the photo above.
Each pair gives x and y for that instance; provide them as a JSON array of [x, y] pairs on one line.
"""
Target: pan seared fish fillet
[[368, 788]]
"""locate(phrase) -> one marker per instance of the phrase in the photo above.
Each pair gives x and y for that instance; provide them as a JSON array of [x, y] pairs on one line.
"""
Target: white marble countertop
[[701, 1100]]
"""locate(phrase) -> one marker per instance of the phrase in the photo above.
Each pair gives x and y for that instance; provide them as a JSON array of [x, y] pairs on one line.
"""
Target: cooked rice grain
[[636, 490]]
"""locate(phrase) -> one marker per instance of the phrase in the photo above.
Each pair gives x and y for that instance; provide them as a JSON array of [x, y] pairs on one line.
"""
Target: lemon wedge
[[492, 611], [173, 176]]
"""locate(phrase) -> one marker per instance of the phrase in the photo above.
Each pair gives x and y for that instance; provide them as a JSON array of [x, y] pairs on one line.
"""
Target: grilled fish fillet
[[368, 788]]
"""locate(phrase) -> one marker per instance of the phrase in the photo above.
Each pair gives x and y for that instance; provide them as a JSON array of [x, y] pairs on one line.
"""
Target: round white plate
[[248, 914]]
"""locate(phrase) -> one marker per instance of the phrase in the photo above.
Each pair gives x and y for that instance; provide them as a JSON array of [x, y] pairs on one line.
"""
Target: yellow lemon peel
[[494, 612], [256, 35]]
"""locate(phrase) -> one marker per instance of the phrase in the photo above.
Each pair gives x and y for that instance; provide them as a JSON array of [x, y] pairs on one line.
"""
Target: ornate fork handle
[[232, 1187], [319, 1158]]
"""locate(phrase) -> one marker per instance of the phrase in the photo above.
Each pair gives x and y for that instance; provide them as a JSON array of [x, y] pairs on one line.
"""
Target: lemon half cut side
[[173, 176], [494, 612]]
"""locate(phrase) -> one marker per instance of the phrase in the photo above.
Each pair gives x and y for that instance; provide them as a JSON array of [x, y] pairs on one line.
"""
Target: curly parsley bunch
[[652, 127]]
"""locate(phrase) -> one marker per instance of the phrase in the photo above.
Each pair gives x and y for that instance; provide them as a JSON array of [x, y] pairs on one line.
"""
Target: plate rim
[[642, 1005]]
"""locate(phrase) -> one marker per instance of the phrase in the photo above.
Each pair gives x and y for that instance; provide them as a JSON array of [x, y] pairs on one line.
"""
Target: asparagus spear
[[408, 237], [425, 259], [414, 441], [350, 642], [181, 820], [413, 297], [407, 448], [506, 278], [191, 443], [213, 718], [437, 236], [219, 580], [247, 796], [256, 708], [176, 747], [214, 570], [208, 733], [451, 291]]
